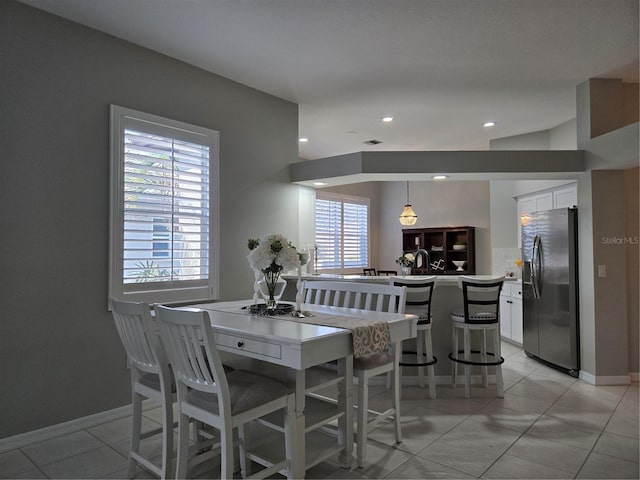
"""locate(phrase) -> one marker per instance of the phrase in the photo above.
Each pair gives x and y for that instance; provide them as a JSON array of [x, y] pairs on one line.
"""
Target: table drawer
[[267, 349]]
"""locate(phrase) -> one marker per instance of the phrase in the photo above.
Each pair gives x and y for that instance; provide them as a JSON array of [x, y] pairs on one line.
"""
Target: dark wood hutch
[[444, 245]]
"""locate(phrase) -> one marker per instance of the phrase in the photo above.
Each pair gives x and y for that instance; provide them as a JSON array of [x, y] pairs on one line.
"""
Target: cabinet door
[[544, 201], [525, 205], [516, 319], [565, 197], [533, 203], [505, 316]]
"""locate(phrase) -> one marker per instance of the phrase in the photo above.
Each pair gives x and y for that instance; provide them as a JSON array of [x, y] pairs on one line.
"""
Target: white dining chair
[[150, 378], [419, 295], [376, 297], [480, 313], [207, 394]]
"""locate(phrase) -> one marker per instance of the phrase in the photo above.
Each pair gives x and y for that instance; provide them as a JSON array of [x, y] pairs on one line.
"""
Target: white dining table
[[299, 344]]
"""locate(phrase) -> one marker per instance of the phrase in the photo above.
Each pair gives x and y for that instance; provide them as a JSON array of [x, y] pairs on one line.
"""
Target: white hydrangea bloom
[[274, 253]]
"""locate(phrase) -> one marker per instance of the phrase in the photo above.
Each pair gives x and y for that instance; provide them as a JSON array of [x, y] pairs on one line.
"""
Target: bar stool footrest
[[424, 364], [469, 362]]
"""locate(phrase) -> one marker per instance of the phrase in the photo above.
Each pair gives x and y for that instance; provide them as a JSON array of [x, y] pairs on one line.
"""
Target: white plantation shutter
[[328, 233], [355, 238], [162, 222], [342, 231]]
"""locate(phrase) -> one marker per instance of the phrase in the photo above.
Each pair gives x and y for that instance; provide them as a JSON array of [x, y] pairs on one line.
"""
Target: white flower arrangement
[[406, 260], [273, 254]]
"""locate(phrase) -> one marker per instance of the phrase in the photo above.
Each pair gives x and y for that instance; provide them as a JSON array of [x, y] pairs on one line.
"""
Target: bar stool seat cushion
[[478, 317], [247, 390]]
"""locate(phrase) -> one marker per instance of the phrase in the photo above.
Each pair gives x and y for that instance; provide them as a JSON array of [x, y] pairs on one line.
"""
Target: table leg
[[298, 460], [345, 404]]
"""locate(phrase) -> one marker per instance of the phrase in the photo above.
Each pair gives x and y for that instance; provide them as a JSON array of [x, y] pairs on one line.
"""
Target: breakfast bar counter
[[447, 297]]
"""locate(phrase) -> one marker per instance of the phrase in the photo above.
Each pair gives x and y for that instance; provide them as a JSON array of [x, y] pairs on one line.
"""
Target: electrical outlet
[[602, 271]]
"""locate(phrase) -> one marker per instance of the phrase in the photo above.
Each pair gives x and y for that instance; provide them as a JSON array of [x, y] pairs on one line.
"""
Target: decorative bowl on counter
[[459, 264]]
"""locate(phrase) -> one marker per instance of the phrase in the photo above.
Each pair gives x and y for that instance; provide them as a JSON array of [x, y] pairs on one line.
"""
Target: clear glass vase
[[405, 271], [271, 288]]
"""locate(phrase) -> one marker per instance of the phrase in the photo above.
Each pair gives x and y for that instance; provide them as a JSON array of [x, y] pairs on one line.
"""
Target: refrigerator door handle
[[527, 273], [535, 267]]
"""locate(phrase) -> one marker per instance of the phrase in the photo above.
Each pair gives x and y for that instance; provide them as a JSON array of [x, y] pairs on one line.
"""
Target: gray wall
[[370, 190], [632, 264], [611, 328], [437, 204], [60, 357], [504, 215]]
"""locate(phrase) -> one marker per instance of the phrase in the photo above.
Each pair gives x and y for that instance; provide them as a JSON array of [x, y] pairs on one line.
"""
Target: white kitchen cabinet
[[511, 312], [560, 197], [565, 197], [533, 203]]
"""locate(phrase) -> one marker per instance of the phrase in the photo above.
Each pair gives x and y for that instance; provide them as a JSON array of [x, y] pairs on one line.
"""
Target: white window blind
[[162, 223], [342, 232]]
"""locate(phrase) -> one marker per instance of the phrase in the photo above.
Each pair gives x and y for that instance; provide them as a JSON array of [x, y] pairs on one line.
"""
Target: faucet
[[421, 253]]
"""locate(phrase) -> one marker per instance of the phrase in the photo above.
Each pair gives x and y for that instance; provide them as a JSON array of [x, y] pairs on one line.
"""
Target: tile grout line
[[530, 426]]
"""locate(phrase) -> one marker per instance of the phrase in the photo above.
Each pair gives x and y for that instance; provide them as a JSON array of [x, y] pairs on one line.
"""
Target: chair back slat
[[481, 297], [419, 294], [364, 296], [133, 321], [189, 342]]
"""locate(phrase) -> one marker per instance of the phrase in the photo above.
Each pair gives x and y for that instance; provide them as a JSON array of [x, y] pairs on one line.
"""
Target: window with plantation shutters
[[163, 220], [342, 232]]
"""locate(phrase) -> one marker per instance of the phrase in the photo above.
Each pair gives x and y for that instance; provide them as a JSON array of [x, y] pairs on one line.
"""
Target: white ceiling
[[440, 67]]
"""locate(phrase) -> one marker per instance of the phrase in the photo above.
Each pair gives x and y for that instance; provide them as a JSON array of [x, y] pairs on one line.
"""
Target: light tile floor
[[548, 425]]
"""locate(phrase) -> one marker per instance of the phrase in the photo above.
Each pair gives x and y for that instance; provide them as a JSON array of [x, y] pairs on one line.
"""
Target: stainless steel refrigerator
[[550, 288]]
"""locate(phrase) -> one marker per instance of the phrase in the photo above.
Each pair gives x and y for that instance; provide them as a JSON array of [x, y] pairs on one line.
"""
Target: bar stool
[[481, 313], [387, 273], [419, 294]]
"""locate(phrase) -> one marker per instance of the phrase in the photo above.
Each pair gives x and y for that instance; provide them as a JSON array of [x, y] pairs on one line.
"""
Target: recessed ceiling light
[[303, 139], [320, 184], [440, 177], [387, 119], [489, 124]]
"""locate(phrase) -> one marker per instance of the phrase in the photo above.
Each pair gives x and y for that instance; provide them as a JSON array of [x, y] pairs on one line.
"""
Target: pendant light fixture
[[408, 216]]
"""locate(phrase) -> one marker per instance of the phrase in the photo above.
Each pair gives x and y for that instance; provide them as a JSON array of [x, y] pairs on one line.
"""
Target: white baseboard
[[587, 377], [605, 380], [47, 433]]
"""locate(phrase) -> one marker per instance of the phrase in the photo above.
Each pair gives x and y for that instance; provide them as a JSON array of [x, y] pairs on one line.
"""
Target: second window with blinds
[[342, 232]]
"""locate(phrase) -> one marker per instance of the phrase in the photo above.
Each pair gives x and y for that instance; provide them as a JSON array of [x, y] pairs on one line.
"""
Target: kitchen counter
[[440, 279], [447, 297]]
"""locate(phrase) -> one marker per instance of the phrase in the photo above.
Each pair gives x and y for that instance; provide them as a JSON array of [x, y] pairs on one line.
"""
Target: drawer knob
[[240, 344]]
